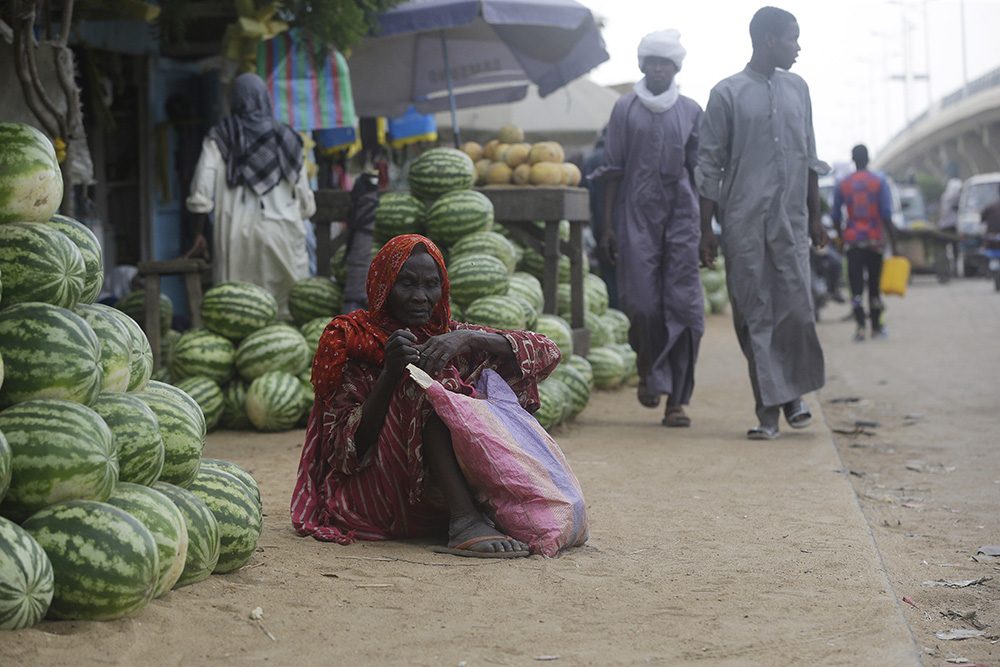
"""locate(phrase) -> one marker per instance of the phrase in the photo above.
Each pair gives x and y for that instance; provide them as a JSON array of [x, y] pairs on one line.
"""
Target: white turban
[[664, 44]]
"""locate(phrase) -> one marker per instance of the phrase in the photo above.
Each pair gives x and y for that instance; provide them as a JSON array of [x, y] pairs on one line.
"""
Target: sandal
[[674, 415], [797, 413], [762, 432], [647, 400]]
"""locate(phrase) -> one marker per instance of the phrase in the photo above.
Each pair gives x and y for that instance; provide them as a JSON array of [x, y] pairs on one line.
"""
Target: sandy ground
[[704, 547]]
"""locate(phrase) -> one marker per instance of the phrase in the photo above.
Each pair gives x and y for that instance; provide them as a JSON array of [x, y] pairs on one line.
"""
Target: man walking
[[758, 175], [869, 218]]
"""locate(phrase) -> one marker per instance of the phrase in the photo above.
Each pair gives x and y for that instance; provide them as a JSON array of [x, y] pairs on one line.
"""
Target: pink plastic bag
[[513, 465]]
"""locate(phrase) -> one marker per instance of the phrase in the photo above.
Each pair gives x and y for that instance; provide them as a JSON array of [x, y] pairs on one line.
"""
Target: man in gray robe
[[652, 225], [758, 175]]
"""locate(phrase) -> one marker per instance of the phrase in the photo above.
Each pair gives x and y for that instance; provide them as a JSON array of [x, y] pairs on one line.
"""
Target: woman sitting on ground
[[363, 473]]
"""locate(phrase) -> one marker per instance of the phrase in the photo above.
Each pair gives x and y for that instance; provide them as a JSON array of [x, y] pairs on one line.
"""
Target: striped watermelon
[[308, 398], [234, 399], [207, 394], [236, 309], [61, 450], [474, 276], [525, 285], [566, 398], [239, 472], [141, 367], [182, 426], [39, 264], [558, 331], [104, 560], [581, 364], [487, 243], [274, 401], [26, 579], [238, 512], [496, 312], [135, 431], [277, 347], [553, 399], [116, 346], [440, 170], [398, 213], [314, 297], [630, 357], [166, 524], [532, 262], [576, 383], [133, 304], [90, 249], [31, 184], [338, 265], [595, 293], [530, 314], [202, 531], [608, 365], [5, 465], [455, 215], [564, 305], [600, 333], [167, 343], [312, 331], [201, 352], [618, 323], [48, 352]]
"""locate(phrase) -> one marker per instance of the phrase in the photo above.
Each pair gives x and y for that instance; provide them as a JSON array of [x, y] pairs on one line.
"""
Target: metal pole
[[965, 62], [451, 92]]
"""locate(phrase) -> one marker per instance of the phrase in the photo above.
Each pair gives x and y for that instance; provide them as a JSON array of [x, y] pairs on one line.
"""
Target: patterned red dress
[[388, 494]]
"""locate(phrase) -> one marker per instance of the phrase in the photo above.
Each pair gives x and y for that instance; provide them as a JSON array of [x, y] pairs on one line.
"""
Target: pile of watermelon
[[105, 499], [713, 287]]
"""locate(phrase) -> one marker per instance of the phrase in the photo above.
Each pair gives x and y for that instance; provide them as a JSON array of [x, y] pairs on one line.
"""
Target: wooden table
[[332, 207]]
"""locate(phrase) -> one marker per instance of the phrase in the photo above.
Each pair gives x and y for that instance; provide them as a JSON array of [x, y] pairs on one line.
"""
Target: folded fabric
[[512, 463]]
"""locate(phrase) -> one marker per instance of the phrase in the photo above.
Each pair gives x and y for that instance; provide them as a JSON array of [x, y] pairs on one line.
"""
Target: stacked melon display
[[509, 160], [95, 519], [713, 285]]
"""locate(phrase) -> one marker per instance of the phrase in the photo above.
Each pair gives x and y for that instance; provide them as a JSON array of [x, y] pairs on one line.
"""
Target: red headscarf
[[361, 335]]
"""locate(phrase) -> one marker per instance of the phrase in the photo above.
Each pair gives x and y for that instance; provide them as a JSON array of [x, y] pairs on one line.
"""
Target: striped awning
[[307, 94]]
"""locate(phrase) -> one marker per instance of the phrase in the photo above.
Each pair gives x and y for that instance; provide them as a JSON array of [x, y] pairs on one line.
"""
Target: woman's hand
[[400, 350], [438, 351]]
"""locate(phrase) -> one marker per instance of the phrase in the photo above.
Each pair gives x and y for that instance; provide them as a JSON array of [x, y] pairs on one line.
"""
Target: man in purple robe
[[652, 229]]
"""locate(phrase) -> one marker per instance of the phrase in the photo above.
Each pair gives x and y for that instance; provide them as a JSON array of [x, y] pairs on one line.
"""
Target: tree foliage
[[340, 23]]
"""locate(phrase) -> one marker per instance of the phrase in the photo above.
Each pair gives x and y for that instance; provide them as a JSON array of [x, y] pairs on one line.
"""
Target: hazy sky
[[850, 49]]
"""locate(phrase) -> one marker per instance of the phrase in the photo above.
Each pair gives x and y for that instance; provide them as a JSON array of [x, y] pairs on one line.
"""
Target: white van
[[978, 192]]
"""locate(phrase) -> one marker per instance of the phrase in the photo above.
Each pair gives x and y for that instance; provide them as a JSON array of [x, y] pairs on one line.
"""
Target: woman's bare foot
[[475, 534]]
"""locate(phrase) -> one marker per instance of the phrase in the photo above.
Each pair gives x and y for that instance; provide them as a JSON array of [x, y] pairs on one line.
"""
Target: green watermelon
[[564, 300], [39, 264], [530, 314], [630, 358], [274, 401], [141, 367], [553, 399], [90, 249], [202, 531], [532, 262], [338, 266], [486, 243], [718, 299], [619, 324], [5, 465], [201, 352], [236, 309], [455, 215], [238, 512], [581, 364], [48, 352], [529, 287], [558, 331], [133, 304], [207, 394], [183, 428], [315, 297], [61, 450], [595, 293], [167, 343], [712, 279], [496, 312], [608, 365], [31, 184], [26, 580], [398, 212], [164, 521], [475, 276], [440, 170], [135, 431], [104, 560], [600, 333], [313, 330], [234, 399], [276, 347], [576, 383], [116, 346], [237, 471]]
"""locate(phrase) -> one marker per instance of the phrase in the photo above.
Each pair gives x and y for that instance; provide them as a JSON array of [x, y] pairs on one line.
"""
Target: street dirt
[[828, 546]]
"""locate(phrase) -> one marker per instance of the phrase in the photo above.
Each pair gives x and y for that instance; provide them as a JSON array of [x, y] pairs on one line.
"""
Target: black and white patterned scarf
[[258, 149]]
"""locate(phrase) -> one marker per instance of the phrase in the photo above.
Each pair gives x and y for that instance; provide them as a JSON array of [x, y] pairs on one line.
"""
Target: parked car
[[978, 192]]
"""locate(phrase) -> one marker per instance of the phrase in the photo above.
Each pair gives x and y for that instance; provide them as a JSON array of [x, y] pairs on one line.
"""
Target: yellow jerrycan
[[895, 275]]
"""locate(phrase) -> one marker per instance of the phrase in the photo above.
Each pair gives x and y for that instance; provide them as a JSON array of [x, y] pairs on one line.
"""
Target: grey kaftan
[[756, 149], [657, 227]]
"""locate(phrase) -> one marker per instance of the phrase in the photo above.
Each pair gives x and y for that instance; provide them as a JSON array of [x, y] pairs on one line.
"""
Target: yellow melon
[[522, 174], [500, 152], [490, 149], [510, 134], [473, 150], [482, 167], [499, 173], [546, 173], [571, 174], [517, 154], [545, 151]]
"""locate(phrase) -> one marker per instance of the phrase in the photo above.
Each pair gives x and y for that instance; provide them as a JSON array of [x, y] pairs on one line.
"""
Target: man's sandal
[[675, 416], [797, 414], [762, 432]]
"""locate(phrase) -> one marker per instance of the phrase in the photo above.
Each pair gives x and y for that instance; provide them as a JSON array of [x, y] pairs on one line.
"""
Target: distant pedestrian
[[758, 176], [651, 230], [593, 162], [866, 196]]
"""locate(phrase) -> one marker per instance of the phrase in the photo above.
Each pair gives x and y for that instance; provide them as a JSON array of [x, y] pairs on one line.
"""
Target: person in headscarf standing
[[251, 174], [651, 232], [758, 175]]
